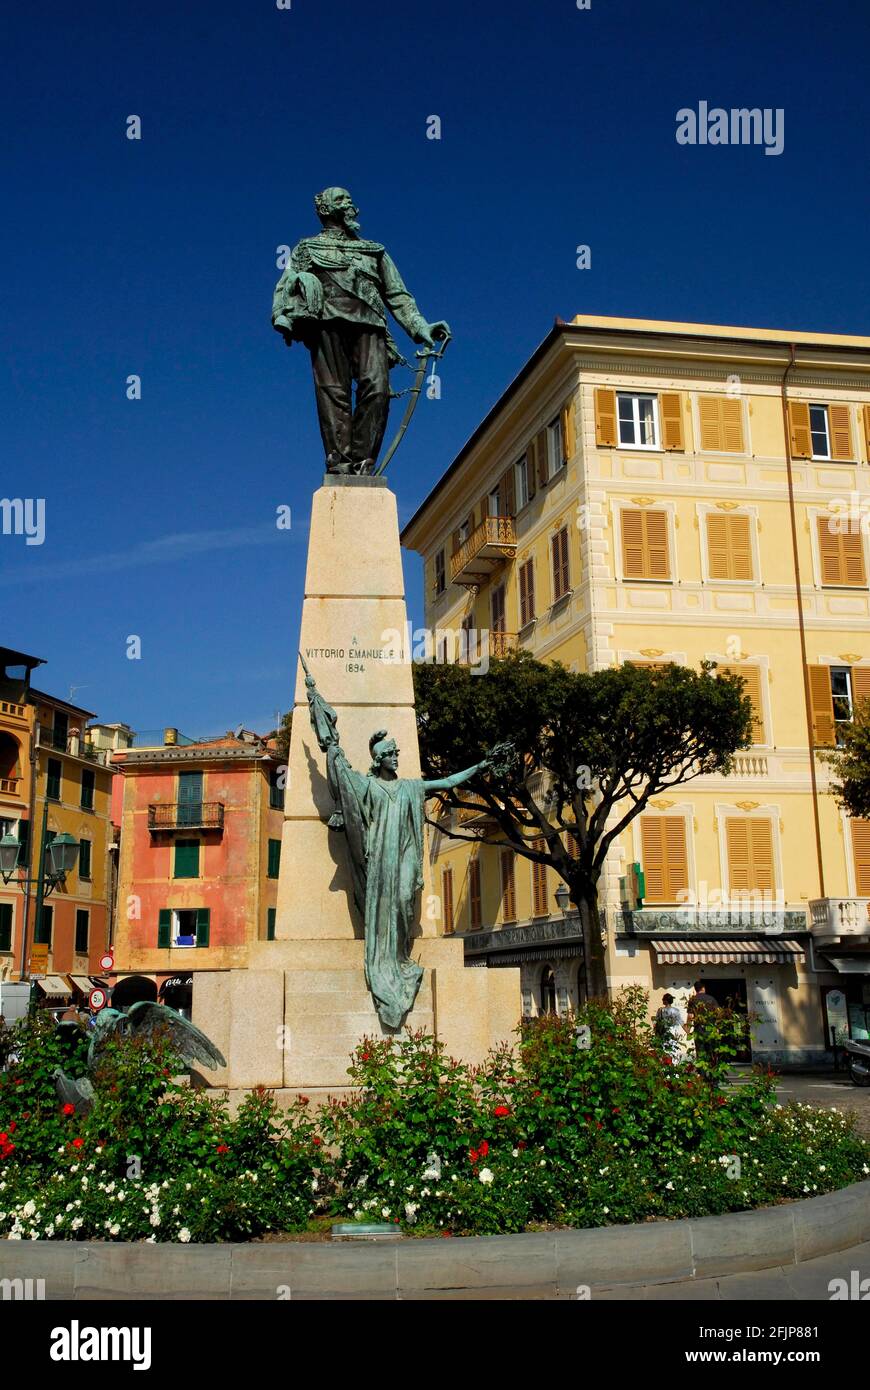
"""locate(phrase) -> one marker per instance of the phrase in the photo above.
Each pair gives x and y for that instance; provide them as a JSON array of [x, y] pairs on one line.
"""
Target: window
[[834, 692], [523, 492], [751, 687], [821, 431], [548, 991], [527, 592], [88, 780], [24, 842], [721, 422], [508, 887], [729, 546], [749, 843], [559, 556], [270, 923], [276, 788], [463, 532], [841, 555], [60, 732], [555, 451], [447, 900], [274, 863], [645, 545], [440, 581], [497, 609], [6, 911], [861, 856], [52, 781], [540, 900], [664, 859], [183, 927], [494, 504], [186, 859], [42, 934], [84, 859], [637, 418], [83, 919], [190, 798], [475, 908]]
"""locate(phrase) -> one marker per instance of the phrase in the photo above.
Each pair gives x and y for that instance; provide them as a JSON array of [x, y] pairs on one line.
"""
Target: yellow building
[[647, 491], [45, 759]]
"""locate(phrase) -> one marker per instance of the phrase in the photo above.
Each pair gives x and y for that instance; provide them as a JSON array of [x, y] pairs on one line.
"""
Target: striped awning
[[756, 951], [53, 987]]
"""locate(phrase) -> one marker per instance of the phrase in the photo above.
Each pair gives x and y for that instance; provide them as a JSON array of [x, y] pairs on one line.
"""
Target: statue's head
[[335, 205], [385, 753]]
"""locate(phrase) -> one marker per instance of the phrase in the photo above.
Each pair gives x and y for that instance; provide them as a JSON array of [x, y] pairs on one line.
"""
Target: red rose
[[502, 1110], [26, 1115], [223, 1148], [521, 1144], [616, 1109], [484, 1148], [317, 1140], [598, 1124], [473, 1155], [12, 1126], [4, 1138], [364, 1056], [535, 1093], [78, 1143], [69, 1109], [19, 1081]]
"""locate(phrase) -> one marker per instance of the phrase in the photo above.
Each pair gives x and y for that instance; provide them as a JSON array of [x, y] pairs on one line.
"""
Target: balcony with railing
[[186, 815], [834, 918], [488, 546], [10, 788]]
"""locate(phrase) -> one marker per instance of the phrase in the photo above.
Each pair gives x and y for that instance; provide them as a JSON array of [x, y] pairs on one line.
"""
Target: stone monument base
[[292, 1019]]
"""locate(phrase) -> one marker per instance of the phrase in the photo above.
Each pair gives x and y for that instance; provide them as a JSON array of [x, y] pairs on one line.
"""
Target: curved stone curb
[[549, 1264]]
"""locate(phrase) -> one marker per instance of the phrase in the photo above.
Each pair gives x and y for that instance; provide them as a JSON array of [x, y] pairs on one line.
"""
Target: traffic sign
[[107, 961], [97, 999]]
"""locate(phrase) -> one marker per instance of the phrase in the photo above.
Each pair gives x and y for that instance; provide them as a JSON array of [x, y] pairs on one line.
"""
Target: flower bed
[[583, 1123]]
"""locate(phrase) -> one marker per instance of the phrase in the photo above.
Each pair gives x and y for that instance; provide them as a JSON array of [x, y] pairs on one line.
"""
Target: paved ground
[[826, 1089]]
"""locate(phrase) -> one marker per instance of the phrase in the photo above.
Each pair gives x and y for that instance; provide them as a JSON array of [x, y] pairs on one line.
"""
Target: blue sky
[[157, 257]]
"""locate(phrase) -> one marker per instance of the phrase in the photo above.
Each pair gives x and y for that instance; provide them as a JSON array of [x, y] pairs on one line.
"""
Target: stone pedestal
[[293, 1018]]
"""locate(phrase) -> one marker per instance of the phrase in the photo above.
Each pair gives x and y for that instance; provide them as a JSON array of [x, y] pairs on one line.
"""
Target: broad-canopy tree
[[592, 748], [850, 763]]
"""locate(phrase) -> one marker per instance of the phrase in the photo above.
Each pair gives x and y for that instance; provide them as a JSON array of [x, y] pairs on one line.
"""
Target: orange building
[[200, 849], [46, 760]]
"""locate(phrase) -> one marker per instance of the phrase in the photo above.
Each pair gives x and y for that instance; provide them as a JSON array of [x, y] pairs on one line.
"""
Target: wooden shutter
[[455, 542], [840, 432], [861, 856], [672, 419], [507, 494], [164, 928], [860, 684], [664, 858], [729, 546], [749, 843], [527, 592], [274, 860], [203, 925], [540, 902], [721, 419], [447, 900], [474, 898], [497, 609], [867, 430], [543, 451], [799, 429], [841, 556], [532, 468], [559, 551], [508, 887], [605, 417], [186, 859], [270, 923], [645, 545], [821, 706], [572, 844], [569, 439], [752, 677]]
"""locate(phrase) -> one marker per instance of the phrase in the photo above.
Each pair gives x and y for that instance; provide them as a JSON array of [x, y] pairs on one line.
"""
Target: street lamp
[[62, 853], [10, 848], [563, 898]]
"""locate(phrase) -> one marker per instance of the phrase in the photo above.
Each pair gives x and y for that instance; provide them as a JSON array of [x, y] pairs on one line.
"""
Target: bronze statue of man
[[333, 297]]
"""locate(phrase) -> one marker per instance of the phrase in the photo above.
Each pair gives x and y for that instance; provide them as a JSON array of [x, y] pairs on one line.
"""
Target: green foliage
[[850, 763]]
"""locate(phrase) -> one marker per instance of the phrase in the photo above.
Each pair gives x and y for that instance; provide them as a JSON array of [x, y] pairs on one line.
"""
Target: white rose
[[485, 1175]]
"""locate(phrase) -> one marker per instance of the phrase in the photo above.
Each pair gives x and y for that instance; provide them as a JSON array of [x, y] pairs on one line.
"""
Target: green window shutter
[[186, 859], [276, 791], [203, 916], [164, 927], [270, 924], [87, 789], [274, 858], [52, 780], [24, 842], [6, 926], [82, 922], [42, 935], [84, 858]]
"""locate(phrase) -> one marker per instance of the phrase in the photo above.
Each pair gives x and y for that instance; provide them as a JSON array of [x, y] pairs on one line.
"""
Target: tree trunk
[[595, 952]]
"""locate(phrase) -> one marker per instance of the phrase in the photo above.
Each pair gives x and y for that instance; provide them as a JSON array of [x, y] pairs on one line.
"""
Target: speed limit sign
[[97, 999], [107, 961]]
